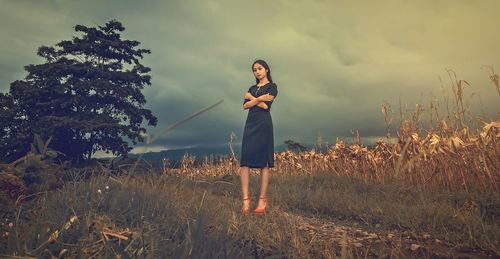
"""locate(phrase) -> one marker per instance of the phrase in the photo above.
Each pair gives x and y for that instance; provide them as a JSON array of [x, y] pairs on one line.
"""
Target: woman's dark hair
[[264, 64]]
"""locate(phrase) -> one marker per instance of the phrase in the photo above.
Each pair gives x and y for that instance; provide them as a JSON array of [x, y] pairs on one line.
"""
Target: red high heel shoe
[[247, 209], [261, 210]]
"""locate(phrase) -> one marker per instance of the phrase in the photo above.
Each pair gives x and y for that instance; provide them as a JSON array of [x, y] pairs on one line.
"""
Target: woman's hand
[[265, 97]]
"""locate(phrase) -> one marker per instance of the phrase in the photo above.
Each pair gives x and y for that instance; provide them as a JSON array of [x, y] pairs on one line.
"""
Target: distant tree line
[[86, 96]]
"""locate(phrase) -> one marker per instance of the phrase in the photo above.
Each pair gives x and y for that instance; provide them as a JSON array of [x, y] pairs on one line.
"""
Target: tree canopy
[[86, 96]]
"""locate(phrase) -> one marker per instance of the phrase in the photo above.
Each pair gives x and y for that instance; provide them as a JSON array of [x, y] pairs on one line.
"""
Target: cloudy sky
[[335, 62]]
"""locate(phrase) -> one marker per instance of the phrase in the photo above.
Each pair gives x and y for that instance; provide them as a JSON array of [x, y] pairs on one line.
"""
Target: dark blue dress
[[257, 145]]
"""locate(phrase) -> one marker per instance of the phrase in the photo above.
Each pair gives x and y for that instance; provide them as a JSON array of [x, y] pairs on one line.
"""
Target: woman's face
[[259, 71]]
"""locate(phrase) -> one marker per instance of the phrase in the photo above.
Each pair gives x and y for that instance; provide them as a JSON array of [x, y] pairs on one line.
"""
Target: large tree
[[86, 96]]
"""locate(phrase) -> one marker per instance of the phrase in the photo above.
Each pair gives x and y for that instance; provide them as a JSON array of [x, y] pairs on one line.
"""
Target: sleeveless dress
[[257, 146]]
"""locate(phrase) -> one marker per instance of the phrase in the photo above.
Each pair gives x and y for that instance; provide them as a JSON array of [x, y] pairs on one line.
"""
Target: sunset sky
[[334, 62]]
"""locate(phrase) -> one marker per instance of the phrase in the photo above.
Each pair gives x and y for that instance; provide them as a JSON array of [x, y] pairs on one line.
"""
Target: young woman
[[257, 147]]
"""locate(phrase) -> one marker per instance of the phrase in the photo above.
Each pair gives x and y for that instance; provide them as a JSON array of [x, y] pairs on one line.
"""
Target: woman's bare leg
[[264, 182], [244, 175]]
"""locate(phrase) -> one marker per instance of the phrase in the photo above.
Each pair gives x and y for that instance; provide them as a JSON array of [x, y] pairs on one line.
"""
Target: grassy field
[[311, 216]]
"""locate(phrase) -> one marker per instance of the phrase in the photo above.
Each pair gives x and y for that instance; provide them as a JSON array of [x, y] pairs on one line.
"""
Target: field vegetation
[[431, 190]]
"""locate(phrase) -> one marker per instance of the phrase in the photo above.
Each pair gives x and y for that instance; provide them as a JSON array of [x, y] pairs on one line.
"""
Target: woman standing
[[257, 147]]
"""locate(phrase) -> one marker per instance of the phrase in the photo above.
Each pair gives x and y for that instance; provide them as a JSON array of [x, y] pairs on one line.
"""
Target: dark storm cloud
[[334, 62]]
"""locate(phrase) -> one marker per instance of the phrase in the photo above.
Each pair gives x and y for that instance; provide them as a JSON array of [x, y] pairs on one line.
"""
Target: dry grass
[[310, 216], [443, 159]]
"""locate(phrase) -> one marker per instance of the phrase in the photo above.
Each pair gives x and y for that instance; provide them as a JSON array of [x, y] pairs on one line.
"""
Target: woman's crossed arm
[[259, 101]]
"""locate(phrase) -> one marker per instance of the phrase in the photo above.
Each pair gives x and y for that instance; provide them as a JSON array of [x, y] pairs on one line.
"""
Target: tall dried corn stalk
[[494, 78]]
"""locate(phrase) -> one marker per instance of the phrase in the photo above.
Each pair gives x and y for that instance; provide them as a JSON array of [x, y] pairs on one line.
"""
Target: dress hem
[[257, 166]]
